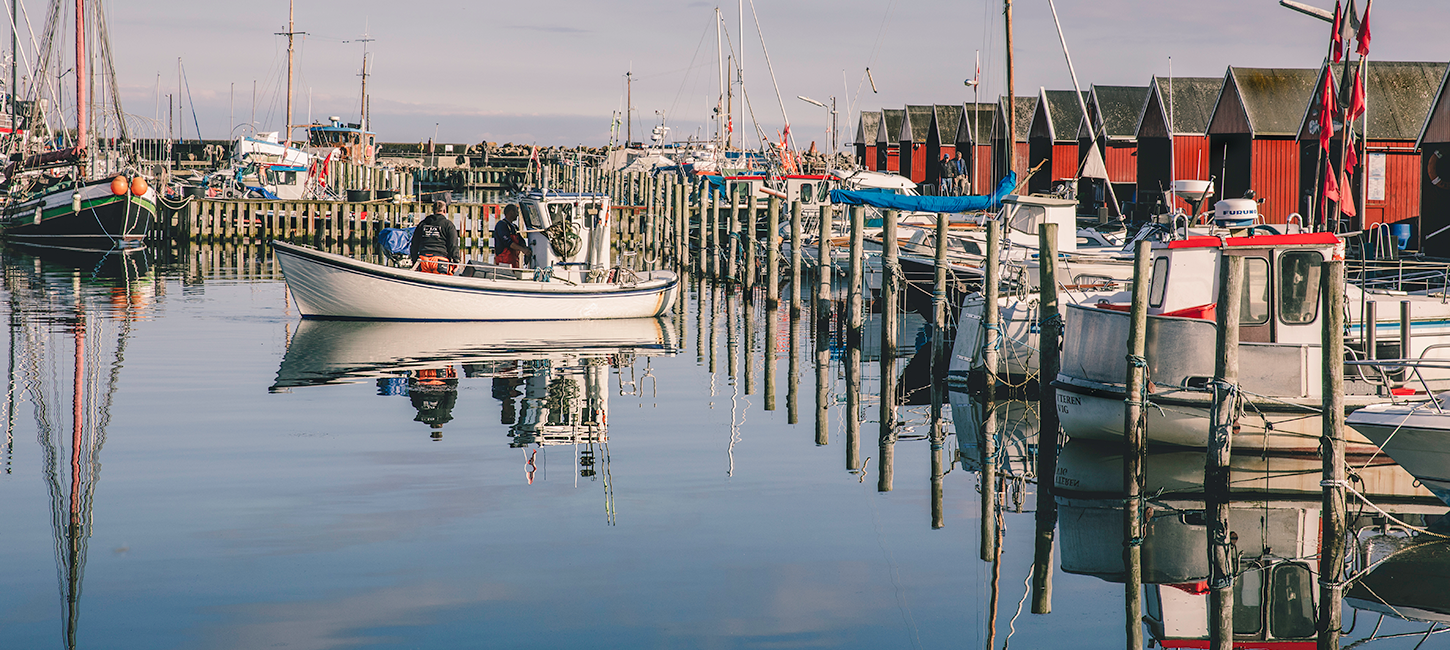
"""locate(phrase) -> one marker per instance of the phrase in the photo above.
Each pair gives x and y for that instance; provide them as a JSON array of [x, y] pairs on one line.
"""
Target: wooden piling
[[748, 247], [854, 324], [795, 259], [715, 199], [1049, 348], [749, 347], [732, 251], [1135, 446], [1333, 516], [772, 320], [938, 370], [825, 271], [772, 254], [991, 310], [823, 387], [987, 443], [1216, 468], [889, 272], [793, 378], [701, 266]]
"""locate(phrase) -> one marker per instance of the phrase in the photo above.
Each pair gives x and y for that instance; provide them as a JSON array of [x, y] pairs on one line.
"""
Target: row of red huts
[[1253, 129]]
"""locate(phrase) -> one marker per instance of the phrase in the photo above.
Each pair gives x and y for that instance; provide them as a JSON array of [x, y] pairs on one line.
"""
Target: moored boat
[[571, 277]]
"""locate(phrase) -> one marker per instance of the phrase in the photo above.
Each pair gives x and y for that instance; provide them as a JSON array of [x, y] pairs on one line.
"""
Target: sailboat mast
[[720, 65], [81, 76], [1011, 94], [291, 31]]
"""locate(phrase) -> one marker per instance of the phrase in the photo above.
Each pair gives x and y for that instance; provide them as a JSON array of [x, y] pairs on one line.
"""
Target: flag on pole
[[1326, 112], [1337, 37], [1331, 188], [1346, 201], [1351, 159], [1356, 97], [1363, 36]]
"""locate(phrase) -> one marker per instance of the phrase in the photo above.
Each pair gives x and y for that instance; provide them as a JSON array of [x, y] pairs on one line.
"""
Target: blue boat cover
[[396, 240], [892, 201]]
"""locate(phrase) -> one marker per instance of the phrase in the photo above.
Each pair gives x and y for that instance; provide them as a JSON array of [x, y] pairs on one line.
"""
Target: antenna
[[366, 38]]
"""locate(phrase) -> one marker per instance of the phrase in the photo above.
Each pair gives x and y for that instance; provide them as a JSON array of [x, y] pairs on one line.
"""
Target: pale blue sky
[[552, 71]]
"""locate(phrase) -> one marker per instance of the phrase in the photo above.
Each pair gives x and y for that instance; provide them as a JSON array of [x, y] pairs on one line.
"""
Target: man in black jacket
[[435, 243]]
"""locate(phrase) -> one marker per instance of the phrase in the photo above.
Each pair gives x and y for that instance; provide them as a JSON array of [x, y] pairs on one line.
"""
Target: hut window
[[1254, 309], [1299, 287], [1158, 289], [1291, 606]]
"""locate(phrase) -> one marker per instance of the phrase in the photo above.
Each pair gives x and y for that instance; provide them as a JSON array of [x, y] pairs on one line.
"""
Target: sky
[[552, 72]]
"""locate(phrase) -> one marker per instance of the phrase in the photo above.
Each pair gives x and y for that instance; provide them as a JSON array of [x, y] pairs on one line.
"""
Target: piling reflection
[[70, 311]]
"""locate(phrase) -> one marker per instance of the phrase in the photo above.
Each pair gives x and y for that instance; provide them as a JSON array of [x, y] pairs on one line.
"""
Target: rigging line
[[186, 83], [771, 68]]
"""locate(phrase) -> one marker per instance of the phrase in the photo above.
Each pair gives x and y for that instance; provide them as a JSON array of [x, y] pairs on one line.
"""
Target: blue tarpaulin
[[928, 203], [396, 240]]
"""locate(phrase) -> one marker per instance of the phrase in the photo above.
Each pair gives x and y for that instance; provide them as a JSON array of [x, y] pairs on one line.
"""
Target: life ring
[[1432, 162]]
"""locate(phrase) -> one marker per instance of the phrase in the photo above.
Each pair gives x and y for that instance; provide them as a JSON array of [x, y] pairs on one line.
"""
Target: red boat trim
[[1261, 241]]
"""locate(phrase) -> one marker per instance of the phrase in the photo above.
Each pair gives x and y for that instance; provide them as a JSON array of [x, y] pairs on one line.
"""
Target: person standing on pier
[[508, 244], [435, 243], [959, 173], [945, 172]]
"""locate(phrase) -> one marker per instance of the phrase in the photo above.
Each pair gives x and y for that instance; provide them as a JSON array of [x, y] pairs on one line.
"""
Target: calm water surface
[[224, 475]]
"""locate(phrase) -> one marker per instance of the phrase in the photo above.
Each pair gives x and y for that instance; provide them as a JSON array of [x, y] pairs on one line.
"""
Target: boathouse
[[1003, 159], [1113, 123], [1251, 137], [975, 142], [941, 138], [865, 141], [1052, 138], [888, 131], [1386, 184], [912, 139], [1434, 146], [1189, 101]]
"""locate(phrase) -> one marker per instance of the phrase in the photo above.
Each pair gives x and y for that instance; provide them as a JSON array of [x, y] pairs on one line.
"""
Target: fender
[[1432, 163]]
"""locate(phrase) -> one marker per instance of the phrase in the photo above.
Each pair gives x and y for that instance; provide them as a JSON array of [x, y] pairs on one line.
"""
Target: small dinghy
[[571, 276]]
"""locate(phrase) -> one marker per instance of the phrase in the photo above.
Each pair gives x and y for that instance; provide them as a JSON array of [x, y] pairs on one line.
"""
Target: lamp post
[[830, 123]]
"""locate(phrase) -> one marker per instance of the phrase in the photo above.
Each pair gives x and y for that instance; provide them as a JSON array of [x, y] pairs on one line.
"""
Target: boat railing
[[1413, 276], [1413, 368]]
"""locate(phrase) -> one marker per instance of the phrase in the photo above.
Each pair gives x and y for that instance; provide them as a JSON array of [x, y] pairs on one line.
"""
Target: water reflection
[[70, 317]]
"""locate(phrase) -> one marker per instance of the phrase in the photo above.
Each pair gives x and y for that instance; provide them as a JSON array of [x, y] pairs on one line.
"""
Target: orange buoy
[[119, 185], [138, 186]]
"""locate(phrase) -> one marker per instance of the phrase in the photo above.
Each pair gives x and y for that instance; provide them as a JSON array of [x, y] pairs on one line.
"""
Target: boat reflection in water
[[70, 312], [1274, 519]]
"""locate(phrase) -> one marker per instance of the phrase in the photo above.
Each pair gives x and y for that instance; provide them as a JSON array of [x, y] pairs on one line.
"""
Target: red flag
[[1351, 159], [1326, 112], [1346, 202], [1331, 188], [1363, 36], [1336, 37], [1356, 98]]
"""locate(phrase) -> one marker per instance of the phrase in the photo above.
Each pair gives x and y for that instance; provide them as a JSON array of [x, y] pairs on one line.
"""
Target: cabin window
[[561, 212], [1291, 606], [1254, 308], [1299, 287], [807, 194], [532, 219], [1248, 603], [824, 192], [966, 246], [1158, 289]]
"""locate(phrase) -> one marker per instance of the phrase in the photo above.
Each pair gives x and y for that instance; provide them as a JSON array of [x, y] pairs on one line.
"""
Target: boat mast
[[1011, 94], [720, 73], [363, 115], [81, 75], [290, 33]]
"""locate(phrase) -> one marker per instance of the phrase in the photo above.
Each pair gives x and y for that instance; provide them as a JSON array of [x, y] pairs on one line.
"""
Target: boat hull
[[105, 221], [325, 285], [1415, 436]]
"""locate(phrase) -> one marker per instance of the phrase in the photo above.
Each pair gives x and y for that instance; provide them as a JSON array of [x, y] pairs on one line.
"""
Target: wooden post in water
[[889, 272], [1333, 516], [854, 324], [1049, 361], [715, 249], [1135, 446], [823, 386], [987, 443], [733, 250], [749, 347], [748, 248], [772, 255], [772, 320], [938, 370], [825, 272], [793, 379], [991, 310], [703, 204], [714, 313], [795, 259], [1216, 468]]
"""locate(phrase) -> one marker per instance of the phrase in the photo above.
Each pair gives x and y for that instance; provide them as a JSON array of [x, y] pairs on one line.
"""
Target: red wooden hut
[[1251, 137], [888, 130], [1052, 138], [865, 141], [1190, 100]]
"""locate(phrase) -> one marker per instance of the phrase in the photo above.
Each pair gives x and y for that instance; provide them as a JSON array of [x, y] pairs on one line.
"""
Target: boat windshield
[[561, 212], [1299, 286], [532, 219]]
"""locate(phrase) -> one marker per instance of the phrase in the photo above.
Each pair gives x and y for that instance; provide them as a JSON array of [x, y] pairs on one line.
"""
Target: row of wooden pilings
[[1223, 421]]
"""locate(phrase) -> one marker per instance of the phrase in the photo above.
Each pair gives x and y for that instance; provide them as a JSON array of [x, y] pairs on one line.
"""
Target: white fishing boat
[[1415, 435], [571, 276], [1279, 355]]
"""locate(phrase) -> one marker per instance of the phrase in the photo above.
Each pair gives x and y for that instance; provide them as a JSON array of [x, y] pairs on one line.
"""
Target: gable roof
[[1115, 109], [1270, 100], [1437, 119], [866, 127], [1398, 95], [1060, 114], [915, 123], [976, 118], [946, 118], [1025, 107], [890, 125], [1191, 100]]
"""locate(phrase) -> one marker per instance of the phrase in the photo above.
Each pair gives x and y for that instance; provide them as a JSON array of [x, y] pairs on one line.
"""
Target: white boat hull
[[1415, 436], [325, 285]]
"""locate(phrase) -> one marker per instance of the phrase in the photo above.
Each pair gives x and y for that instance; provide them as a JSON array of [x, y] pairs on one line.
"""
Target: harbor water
[[188, 464]]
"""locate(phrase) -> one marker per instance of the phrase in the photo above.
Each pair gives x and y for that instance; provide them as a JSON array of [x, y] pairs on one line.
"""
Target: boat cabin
[[1281, 282], [567, 232], [352, 143]]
